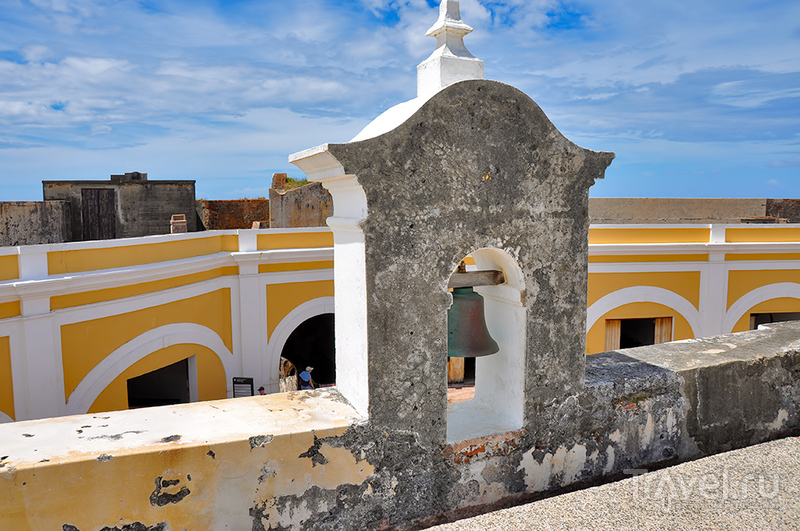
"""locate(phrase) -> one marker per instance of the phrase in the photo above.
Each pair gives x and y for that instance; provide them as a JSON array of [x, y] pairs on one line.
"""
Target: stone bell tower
[[468, 168]]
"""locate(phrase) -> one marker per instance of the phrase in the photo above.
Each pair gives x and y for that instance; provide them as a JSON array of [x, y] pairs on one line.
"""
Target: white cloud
[[240, 85]]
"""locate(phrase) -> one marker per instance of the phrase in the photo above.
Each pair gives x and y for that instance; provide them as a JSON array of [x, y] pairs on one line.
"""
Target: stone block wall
[[232, 214], [306, 206], [34, 222], [141, 208], [788, 209], [648, 210]]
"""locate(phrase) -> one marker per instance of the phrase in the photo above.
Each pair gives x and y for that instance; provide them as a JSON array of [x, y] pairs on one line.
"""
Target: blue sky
[[698, 99]]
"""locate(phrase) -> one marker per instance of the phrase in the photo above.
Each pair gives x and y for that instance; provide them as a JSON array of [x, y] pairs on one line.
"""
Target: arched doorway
[[312, 344]]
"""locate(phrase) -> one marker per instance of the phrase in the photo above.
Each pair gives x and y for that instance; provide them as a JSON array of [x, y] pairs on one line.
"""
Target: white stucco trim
[[5, 418], [743, 305], [643, 294], [141, 302], [350, 204], [118, 361], [288, 324]]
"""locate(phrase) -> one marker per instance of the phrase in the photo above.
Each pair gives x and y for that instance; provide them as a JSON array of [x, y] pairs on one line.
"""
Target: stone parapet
[[307, 460]]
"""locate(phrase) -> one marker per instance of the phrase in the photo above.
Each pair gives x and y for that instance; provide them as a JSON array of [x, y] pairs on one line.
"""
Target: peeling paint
[[161, 498], [114, 437], [609, 460], [136, 526], [483, 448], [314, 454], [647, 432], [780, 420], [260, 441]]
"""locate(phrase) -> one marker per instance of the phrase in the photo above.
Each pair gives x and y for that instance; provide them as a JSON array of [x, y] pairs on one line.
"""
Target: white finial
[[451, 61]]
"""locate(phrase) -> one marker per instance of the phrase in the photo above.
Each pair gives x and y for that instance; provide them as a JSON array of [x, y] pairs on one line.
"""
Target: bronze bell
[[468, 336]]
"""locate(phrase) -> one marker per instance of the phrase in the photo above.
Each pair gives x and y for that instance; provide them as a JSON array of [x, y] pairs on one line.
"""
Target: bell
[[468, 336]]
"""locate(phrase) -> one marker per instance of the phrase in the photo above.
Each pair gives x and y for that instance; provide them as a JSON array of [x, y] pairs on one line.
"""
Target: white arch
[[757, 296], [136, 349], [643, 294], [288, 324], [5, 418]]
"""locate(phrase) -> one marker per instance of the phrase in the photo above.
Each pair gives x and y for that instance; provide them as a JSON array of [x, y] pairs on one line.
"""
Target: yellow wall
[[75, 261], [762, 234], [224, 476], [596, 338], [91, 297], [283, 298], [627, 258], [294, 266], [6, 384], [654, 235], [741, 283], [87, 343], [10, 309], [211, 379], [784, 304], [686, 284], [302, 240], [9, 267], [763, 256]]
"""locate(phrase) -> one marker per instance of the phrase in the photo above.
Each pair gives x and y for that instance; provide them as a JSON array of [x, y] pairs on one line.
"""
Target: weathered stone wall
[[306, 206], [673, 210], [143, 208], [34, 222], [306, 460], [784, 209], [232, 214], [479, 166]]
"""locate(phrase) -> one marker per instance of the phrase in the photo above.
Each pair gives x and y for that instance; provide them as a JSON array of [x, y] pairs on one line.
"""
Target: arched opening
[[312, 344], [165, 386], [497, 405]]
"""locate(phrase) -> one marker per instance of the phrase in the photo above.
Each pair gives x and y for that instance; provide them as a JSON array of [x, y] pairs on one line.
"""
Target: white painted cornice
[[127, 276], [609, 249], [285, 256]]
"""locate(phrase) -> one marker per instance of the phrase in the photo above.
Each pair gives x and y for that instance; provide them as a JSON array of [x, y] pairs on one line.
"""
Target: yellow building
[[656, 283], [80, 323], [90, 326]]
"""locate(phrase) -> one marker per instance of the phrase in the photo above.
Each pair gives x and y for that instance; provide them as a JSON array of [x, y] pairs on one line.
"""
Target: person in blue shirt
[[305, 381]]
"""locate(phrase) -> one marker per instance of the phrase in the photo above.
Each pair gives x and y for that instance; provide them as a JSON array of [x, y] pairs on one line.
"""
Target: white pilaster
[[252, 317], [33, 262], [349, 271], [714, 286], [40, 366]]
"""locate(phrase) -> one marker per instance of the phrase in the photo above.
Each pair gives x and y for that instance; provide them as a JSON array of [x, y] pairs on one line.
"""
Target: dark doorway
[[637, 333], [777, 317], [162, 387], [311, 344], [99, 212]]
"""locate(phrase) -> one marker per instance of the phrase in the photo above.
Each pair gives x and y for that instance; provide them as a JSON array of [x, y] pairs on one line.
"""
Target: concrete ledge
[[195, 466], [308, 460], [740, 389]]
